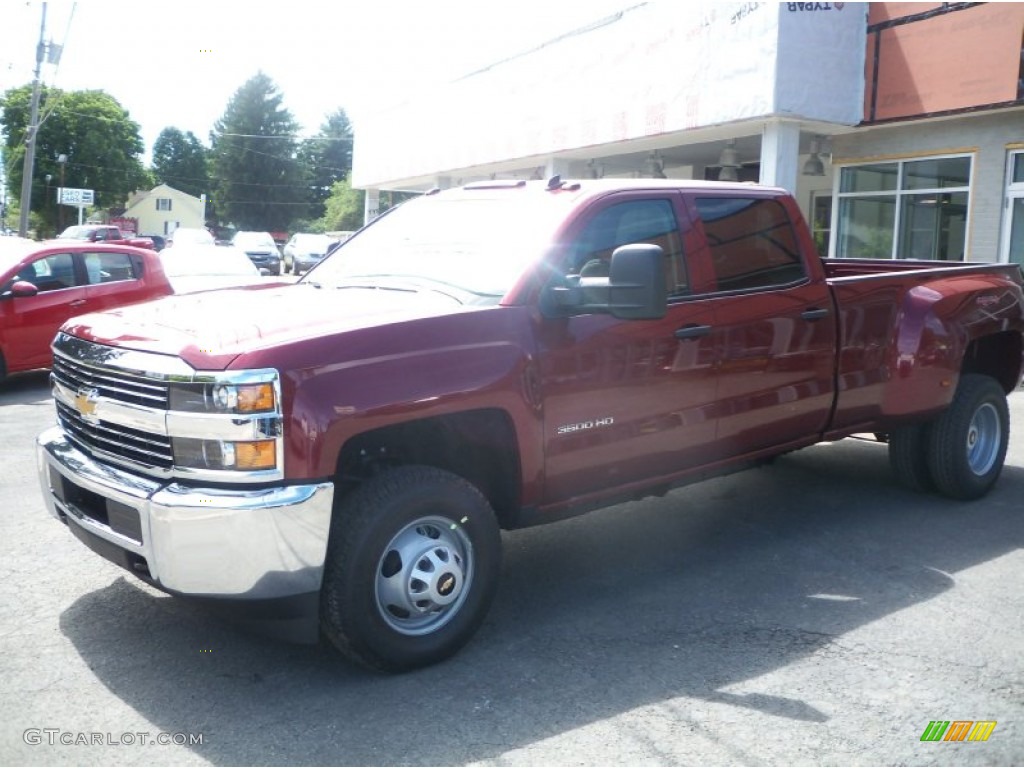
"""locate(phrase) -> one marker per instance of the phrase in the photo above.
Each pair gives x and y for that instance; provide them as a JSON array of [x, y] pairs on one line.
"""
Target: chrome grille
[[113, 376], [131, 408], [116, 440], [113, 383]]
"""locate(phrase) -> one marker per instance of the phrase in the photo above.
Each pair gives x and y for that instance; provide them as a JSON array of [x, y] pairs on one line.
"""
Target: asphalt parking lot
[[812, 612]]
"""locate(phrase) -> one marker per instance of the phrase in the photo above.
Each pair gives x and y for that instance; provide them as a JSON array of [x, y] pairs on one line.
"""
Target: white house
[[163, 209]]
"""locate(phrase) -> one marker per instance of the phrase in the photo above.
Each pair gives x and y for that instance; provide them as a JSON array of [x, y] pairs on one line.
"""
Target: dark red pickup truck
[[104, 233], [346, 449]]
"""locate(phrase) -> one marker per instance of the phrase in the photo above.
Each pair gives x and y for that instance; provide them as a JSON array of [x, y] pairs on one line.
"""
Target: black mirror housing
[[634, 289], [637, 282]]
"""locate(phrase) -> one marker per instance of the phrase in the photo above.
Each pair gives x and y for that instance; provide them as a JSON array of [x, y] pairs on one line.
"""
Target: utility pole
[[30, 134]]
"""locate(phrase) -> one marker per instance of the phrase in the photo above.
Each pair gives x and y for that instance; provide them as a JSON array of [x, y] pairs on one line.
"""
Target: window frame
[[827, 197], [897, 196], [1012, 191], [164, 209]]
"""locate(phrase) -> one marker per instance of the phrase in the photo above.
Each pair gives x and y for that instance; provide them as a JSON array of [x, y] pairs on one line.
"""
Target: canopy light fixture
[[654, 168], [729, 161], [814, 165]]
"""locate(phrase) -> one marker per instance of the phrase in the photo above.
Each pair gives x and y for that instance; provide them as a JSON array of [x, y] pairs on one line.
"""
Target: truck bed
[[858, 268], [901, 332]]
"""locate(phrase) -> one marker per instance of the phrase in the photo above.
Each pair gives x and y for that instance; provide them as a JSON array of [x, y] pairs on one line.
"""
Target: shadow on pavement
[[25, 388], [631, 606]]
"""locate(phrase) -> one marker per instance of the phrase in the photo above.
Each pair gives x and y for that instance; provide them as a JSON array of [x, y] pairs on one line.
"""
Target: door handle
[[77, 303], [688, 332], [814, 314]]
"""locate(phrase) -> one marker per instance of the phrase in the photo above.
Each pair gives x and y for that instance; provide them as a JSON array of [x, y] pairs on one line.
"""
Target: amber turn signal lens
[[255, 397], [257, 455]]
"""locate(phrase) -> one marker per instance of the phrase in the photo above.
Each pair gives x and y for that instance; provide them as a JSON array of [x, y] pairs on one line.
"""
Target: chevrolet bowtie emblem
[[446, 585], [85, 402]]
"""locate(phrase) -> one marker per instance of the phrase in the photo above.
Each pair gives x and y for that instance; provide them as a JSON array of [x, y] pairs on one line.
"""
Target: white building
[[899, 127]]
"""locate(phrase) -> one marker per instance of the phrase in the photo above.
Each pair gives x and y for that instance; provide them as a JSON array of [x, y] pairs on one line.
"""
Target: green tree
[[101, 143], [259, 182], [327, 158], [344, 207], [180, 161]]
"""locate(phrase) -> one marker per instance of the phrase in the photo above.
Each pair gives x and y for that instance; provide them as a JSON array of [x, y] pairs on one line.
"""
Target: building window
[[1013, 227], [905, 209], [163, 203], [821, 221]]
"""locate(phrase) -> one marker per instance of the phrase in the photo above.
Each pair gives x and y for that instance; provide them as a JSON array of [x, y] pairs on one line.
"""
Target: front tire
[[967, 443], [412, 566]]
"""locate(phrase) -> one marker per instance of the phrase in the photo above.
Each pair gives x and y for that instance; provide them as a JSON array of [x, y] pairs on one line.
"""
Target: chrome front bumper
[[206, 542]]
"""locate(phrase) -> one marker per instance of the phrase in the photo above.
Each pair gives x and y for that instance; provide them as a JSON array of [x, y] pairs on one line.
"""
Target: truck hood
[[210, 329]]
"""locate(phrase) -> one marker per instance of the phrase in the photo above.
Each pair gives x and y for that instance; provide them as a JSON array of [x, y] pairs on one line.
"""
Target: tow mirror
[[633, 290]]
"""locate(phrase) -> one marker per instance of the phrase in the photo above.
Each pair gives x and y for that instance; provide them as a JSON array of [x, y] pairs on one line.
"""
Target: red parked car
[[44, 284]]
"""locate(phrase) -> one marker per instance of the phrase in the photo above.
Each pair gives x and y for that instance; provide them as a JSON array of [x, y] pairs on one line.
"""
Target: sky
[[178, 63]]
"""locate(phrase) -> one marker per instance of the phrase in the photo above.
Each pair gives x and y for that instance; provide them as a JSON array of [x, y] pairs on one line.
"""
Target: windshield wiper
[[362, 286]]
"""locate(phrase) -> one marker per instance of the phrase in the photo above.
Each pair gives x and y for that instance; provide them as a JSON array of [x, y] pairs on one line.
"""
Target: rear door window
[[752, 243], [109, 267]]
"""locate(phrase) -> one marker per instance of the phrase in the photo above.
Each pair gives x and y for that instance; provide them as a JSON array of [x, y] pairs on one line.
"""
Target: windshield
[[206, 260], [312, 243], [254, 240], [184, 235], [477, 246], [76, 233]]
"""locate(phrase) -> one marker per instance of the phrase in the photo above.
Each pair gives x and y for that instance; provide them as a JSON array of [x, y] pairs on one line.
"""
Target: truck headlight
[[223, 398], [223, 424], [225, 454]]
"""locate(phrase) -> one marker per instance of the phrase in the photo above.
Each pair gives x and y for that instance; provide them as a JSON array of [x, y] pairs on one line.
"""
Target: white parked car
[[190, 236], [205, 267]]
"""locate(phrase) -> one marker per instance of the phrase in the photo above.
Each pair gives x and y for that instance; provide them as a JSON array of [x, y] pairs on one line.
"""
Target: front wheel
[[967, 443], [412, 566]]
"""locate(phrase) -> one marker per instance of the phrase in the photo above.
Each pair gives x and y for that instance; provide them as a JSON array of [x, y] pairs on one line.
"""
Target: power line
[[294, 137]]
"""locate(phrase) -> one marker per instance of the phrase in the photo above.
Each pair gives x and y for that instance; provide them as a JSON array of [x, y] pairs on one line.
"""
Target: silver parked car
[[305, 250]]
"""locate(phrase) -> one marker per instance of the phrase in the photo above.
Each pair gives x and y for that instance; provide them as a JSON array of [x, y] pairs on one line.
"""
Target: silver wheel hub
[[423, 576], [984, 437]]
